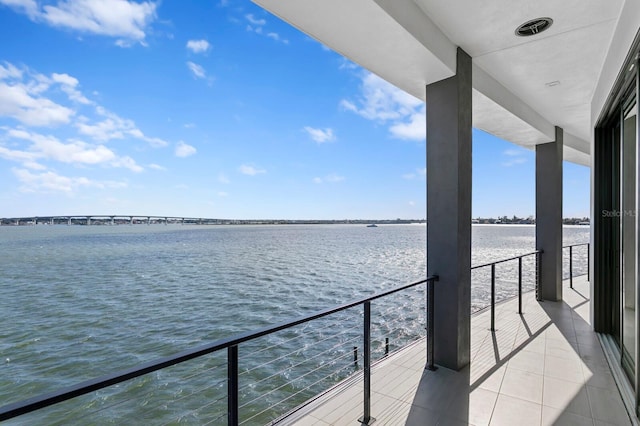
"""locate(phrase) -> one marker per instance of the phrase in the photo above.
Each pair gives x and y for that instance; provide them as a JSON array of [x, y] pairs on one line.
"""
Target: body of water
[[79, 302]]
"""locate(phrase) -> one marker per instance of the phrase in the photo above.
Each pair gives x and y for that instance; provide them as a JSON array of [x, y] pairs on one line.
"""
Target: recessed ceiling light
[[533, 27], [552, 83]]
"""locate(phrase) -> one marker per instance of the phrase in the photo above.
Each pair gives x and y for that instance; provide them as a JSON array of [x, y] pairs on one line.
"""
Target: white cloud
[[330, 178], [10, 71], [23, 103], [345, 64], [64, 79], [18, 156], [126, 20], [515, 157], [197, 70], [114, 127], [320, 135], [75, 152], [68, 85], [246, 169], [22, 98], [189, 125], [156, 167], [255, 21], [382, 102], [413, 129], [183, 150], [198, 46], [222, 194], [127, 163], [257, 25], [82, 128], [222, 178], [277, 37], [28, 7], [52, 182], [514, 161]]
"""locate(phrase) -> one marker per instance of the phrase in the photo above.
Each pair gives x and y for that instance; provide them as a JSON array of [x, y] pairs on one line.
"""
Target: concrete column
[[88, 221], [449, 212], [549, 215]]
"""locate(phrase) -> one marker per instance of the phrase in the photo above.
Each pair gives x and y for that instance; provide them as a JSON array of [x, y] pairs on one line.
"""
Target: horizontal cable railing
[[537, 265], [260, 376], [519, 258], [325, 354]]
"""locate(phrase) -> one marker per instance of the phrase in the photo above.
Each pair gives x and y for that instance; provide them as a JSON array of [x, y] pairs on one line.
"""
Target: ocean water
[[79, 302]]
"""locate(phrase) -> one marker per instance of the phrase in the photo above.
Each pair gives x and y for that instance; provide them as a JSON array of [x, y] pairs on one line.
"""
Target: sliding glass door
[[629, 234], [616, 222]]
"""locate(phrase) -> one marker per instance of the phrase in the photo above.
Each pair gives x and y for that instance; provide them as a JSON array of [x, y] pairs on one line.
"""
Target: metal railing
[[231, 345], [537, 254], [570, 247]]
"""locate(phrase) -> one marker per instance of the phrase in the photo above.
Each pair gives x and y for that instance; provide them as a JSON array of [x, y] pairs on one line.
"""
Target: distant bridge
[[110, 220], [106, 219]]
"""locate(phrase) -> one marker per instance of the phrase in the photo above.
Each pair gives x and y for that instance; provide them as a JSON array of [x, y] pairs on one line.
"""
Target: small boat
[[373, 225]]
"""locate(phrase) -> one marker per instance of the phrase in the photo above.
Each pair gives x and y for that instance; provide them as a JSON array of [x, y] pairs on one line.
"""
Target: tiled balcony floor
[[545, 367]]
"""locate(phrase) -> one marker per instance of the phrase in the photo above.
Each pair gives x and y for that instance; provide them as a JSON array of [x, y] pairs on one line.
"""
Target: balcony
[[544, 367]]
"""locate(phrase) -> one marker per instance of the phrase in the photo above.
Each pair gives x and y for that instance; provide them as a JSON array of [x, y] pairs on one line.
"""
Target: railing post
[[232, 386], [355, 357], [386, 346], [493, 297], [520, 285], [570, 266], [538, 266], [430, 330], [366, 419]]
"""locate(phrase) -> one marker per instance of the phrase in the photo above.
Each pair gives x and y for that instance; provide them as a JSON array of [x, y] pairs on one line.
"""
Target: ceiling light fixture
[[533, 27]]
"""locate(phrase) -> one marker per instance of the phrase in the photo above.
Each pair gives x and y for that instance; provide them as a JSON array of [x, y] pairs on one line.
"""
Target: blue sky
[[217, 109]]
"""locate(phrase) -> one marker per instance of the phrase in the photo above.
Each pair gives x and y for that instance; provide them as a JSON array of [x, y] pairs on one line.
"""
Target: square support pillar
[[549, 216], [449, 113]]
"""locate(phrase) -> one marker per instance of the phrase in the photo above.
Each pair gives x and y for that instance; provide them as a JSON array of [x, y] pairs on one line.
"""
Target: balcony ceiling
[[523, 86]]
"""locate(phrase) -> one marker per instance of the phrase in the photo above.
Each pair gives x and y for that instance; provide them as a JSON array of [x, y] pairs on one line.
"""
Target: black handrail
[[493, 281], [230, 343], [505, 260]]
